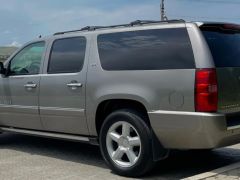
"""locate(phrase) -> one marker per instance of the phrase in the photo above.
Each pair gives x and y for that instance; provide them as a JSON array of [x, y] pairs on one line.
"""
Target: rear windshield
[[224, 43]]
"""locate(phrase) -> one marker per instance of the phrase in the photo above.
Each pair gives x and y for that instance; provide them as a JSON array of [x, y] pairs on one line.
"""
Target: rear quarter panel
[[171, 90]]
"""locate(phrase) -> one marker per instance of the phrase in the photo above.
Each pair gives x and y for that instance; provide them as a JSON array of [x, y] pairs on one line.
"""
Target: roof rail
[[91, 28], [140, 22], [87, 28], [64, 32], [134, 23]]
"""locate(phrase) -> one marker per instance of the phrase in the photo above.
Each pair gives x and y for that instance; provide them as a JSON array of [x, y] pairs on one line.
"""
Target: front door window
[[27, 61]]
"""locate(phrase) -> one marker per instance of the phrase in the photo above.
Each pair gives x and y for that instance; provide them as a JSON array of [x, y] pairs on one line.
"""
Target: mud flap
[[159, 152]]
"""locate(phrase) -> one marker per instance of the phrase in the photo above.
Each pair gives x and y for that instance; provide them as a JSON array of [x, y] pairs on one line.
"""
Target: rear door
[[224, 43], [62, 91]]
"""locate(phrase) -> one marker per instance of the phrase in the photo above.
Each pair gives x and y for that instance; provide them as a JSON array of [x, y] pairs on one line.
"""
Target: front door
[[20, 89], [62, 91]]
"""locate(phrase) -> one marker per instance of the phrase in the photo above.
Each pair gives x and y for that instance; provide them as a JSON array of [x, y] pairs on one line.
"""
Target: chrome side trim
[[24, 76], [46, 134], [62, 109], [41, 107], [62, 74], [185, 113], [43, 75], [18, 106]]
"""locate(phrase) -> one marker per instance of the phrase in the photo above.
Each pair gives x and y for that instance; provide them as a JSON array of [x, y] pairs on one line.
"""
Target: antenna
[[163, 14]]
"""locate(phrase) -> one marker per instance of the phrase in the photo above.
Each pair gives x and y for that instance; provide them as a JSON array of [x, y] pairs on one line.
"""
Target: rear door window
[[67, 55], [146, 50], [224, 43]]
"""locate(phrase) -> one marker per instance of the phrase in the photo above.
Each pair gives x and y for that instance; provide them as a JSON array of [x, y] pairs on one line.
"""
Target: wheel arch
[[108, 106]]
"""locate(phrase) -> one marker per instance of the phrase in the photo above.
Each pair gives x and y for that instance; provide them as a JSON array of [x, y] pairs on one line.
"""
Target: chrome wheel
[[123, 144]]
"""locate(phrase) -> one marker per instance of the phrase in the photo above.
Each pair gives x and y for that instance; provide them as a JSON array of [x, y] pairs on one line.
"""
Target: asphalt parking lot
[[25, 157]]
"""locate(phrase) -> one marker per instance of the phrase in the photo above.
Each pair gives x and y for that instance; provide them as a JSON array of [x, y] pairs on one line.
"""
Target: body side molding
[[90, 140]]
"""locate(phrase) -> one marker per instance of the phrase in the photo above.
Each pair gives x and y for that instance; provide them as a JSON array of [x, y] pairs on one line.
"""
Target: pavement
[[230, 172], [28, 158]]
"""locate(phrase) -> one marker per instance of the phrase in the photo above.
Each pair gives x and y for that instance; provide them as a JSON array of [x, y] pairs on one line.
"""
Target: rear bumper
[[192, 130]]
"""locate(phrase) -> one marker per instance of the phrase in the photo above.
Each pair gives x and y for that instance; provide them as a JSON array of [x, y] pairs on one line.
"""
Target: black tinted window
[[224, 45], [67, 55], [146, 50]]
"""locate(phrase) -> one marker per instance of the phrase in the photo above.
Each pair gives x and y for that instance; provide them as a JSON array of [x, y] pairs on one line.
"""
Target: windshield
[[224, 43]]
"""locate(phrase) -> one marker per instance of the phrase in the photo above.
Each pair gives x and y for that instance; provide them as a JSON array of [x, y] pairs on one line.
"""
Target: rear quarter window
[[146, 50]]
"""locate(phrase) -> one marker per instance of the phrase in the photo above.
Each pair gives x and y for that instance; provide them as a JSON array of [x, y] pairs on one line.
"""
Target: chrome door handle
[[74, 85], [30, 85]]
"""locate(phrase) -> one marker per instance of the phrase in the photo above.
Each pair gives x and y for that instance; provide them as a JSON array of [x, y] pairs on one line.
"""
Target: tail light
[[206, 90]]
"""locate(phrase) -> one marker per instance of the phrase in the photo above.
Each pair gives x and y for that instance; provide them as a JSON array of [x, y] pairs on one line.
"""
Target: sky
[[24, 20]]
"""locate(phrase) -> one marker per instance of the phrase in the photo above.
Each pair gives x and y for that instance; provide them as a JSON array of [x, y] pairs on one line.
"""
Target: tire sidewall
[[145, 160]]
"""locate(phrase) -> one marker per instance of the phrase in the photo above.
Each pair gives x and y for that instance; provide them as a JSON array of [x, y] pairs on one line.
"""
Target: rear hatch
[[224, 44]]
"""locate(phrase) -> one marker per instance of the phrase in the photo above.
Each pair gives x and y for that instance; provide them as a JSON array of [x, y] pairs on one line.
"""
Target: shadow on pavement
[[54, 148], [180, 164], [189, 163]]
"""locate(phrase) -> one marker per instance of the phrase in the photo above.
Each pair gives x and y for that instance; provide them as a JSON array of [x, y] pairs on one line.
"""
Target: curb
[[214, 172]]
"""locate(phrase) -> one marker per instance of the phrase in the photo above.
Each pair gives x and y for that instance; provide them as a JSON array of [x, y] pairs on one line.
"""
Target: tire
[[124, 134]]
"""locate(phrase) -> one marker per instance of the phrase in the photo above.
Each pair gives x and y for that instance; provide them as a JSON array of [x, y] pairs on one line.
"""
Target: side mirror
[[2, 69]]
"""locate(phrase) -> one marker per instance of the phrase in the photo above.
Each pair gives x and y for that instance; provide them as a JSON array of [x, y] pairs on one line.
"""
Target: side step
[[51, 135]]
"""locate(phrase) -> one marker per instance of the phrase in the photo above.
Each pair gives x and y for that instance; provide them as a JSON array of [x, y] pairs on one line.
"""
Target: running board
[[50, 135]]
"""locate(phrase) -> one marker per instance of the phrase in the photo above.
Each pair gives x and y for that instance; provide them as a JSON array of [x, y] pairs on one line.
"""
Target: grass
[[5, 52]]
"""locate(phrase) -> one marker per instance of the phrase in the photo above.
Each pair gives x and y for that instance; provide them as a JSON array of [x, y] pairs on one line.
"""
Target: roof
[[205, 23]]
